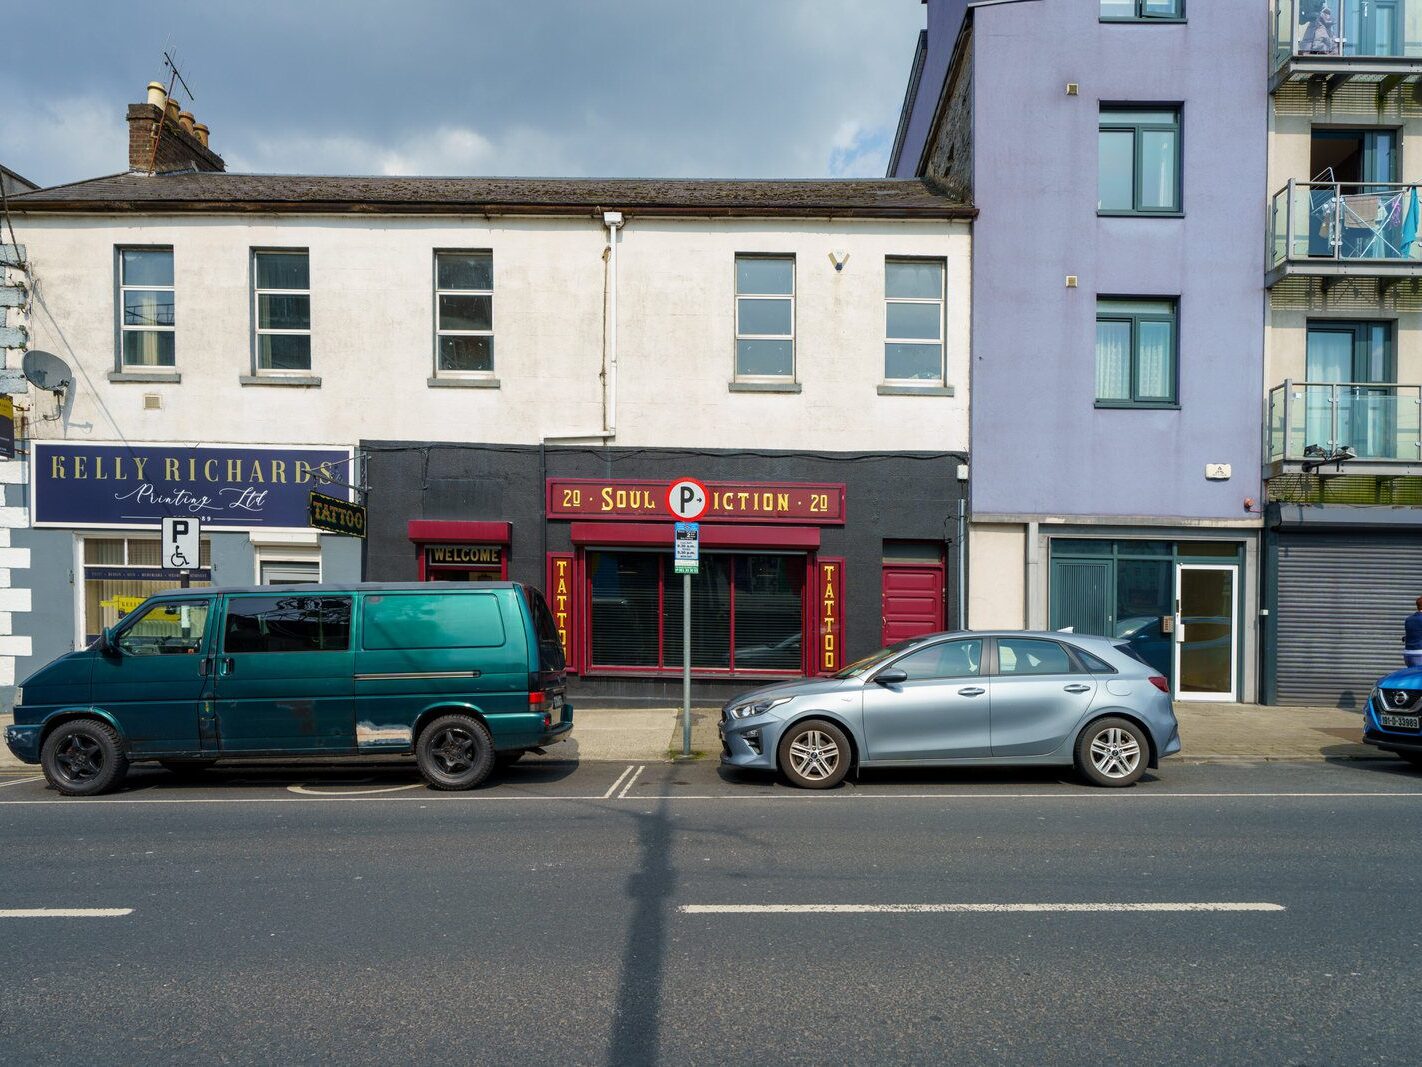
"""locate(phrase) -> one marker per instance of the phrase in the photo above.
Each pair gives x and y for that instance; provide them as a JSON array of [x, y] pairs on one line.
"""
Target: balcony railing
[[1344, 427], [1346, 228], [1367, 39]]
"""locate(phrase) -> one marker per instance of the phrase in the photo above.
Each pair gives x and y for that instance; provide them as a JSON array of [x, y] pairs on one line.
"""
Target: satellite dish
[[45, 370]]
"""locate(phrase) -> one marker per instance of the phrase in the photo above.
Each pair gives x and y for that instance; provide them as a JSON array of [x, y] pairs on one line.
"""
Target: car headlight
[[757, 707]]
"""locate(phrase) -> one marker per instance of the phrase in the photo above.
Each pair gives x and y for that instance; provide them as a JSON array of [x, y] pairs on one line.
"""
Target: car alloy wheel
[[814, 755], [79, 759], [1115, 753]]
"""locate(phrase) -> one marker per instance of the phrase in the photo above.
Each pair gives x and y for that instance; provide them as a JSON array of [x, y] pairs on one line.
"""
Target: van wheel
[[83, 758], [814, 754], [186, 768], [1112, 752], [455, 752]]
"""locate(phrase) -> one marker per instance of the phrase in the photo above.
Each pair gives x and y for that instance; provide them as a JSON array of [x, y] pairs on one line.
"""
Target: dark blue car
[[1393, 717]]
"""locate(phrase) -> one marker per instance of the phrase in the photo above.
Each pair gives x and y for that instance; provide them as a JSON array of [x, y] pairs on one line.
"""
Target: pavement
[[676, 913], [1208, 732]]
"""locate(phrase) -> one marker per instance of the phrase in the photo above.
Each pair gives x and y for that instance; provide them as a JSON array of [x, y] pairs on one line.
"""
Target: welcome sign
[[230, 487]]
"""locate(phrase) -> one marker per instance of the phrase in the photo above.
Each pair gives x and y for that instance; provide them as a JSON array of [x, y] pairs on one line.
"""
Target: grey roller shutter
[[1342, 599]]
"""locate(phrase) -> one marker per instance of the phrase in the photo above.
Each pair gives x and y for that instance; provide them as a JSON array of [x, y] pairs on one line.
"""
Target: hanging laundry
[[1410, 224]]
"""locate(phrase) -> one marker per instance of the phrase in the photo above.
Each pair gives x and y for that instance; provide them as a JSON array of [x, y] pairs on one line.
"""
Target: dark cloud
[[753, 88]]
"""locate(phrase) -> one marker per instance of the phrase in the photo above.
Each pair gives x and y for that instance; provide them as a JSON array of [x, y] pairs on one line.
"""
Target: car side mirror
[[893, 676], [106, 642]]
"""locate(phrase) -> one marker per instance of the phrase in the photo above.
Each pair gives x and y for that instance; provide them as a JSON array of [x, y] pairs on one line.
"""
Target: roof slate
[[225, 192]]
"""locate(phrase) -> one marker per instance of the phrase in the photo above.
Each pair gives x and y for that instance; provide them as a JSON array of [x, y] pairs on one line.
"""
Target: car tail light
[[1160, 682], [536, 700]]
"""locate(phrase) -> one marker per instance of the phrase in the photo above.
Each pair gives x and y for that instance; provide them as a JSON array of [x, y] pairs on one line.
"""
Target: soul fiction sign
[[772, 502], [226, 487]]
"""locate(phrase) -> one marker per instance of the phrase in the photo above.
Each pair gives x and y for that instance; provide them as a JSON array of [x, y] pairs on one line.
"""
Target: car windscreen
[[550, 645], [868, 663]]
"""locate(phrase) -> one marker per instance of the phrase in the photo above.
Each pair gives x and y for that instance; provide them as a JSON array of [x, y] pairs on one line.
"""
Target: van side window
[[288, 624], [438, 620], [166, 629]]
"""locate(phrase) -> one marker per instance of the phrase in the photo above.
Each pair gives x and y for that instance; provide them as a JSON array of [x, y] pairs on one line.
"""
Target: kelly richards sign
[[231, 487]]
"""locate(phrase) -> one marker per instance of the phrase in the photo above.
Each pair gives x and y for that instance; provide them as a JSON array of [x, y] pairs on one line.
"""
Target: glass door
[[1357, 352], [1372, 28], [1206, 643]]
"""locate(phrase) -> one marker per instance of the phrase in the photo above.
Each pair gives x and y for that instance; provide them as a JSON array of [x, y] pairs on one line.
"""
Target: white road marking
[[352, 792], [22, 781], [64, 913], [635, 775], [916, 909], [613, 787]]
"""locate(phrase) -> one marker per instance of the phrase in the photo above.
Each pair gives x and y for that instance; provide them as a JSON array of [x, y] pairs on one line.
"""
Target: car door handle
[[228, 665], [971, 691], [1078, 688]]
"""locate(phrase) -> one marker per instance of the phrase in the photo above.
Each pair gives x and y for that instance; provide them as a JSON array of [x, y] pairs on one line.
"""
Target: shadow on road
[[636, 1025], [240, 775]]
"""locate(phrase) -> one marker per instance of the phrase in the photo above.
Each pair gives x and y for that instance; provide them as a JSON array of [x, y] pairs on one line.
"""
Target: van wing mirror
[[106, 642], [892, 676]]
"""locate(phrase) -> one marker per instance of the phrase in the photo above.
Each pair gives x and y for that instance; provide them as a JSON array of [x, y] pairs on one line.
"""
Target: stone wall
[[950, 156]]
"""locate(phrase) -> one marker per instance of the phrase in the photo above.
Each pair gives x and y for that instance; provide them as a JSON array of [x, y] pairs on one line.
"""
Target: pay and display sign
[[687, 548]]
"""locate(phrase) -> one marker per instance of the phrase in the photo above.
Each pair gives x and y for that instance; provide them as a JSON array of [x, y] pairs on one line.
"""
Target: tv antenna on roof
[[175, 78]]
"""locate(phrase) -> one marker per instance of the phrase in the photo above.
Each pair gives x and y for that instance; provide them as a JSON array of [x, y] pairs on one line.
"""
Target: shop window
[[281, 290], [288, 624], [122, 572], [464, 313], [747, 612], [146, 308], [289, 571]]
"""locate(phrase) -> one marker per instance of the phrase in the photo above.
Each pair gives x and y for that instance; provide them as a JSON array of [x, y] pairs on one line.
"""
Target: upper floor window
[[281, 290], [1141, 10], [146, 307], [1140, 161], [464, 313], [913, 320], [1136, 353], [765, 316]]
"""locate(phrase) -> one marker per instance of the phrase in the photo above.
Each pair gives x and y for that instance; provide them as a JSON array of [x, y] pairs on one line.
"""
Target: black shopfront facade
[[802, 554]]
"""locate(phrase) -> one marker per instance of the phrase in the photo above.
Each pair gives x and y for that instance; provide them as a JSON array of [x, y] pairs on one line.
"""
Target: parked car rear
[[464, 677]]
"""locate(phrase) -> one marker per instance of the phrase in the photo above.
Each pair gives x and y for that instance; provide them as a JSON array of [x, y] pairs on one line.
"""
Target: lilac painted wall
[[1039, 445], [944, 18]]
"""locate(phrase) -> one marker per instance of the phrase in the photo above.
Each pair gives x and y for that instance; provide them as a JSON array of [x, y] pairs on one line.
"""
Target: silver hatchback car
[[962, 699]]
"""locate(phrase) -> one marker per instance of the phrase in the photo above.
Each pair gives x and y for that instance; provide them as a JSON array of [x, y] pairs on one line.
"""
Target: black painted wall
[[903, 495]]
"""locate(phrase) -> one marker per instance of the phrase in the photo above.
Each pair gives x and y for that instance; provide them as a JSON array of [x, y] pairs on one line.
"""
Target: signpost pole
[[686, 664]]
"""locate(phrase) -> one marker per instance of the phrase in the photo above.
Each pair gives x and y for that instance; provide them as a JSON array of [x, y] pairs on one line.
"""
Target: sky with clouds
[[642, 88]]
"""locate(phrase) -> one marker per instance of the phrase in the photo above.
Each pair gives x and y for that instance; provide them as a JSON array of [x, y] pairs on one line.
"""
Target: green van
[[468, 677]]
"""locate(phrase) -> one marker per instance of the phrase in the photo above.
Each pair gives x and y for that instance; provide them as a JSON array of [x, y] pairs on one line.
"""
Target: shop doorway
[[1206, 655], [913, 590]]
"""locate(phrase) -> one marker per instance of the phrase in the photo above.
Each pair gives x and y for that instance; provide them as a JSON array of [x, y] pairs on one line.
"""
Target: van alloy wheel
[[83, 757], [455, 752], [79, 759], [453, 749]]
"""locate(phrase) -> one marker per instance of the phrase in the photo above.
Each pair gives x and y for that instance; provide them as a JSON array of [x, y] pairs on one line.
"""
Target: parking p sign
[[687, 499], [182, 543]]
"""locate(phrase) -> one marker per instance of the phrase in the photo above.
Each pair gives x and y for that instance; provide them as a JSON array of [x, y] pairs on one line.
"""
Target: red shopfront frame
[[428, 532], [593, 536]]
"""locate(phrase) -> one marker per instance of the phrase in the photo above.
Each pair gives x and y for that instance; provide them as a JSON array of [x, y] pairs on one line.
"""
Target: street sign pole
[[686, 664], [687, 500]]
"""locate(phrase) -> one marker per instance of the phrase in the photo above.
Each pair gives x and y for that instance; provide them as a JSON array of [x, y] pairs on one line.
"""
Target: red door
[[913, 600]]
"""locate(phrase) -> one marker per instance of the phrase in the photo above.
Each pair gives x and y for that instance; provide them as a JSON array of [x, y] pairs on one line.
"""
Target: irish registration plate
[[1401, 722]]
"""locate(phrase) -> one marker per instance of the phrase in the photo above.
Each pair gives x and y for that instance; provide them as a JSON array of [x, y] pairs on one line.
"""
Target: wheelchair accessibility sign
[[182, 544]]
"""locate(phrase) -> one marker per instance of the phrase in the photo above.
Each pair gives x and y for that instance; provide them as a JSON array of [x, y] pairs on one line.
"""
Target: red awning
[[494, 533]]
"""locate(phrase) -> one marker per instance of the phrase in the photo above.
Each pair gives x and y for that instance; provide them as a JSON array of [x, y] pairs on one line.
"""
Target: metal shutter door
[[1342, 599]]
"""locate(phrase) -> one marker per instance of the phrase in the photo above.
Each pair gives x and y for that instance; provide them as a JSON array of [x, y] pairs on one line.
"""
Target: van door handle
[[971, 691], [1078, 688], [228, 666]]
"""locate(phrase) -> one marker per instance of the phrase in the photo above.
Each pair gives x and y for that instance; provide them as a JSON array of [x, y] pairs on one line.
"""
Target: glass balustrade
[[1346, 221], [1316, 420], [1360, 29]]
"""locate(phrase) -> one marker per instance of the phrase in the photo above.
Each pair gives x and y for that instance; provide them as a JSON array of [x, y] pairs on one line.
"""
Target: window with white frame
[[765, 317], [146, 299], [913, 320], [464, 313], [281, 292]]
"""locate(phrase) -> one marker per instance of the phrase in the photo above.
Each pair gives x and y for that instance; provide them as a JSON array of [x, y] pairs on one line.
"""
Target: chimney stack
[[181, 142]]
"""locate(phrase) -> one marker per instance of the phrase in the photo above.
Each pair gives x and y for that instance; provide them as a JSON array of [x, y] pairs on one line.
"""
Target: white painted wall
[[372, 323]]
